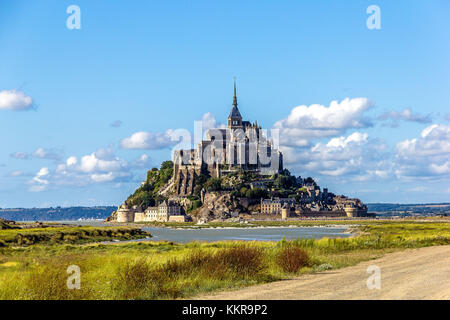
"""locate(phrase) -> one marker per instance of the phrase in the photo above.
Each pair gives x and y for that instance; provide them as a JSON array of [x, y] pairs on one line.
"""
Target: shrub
[[236, 262], [213, 184], [176, 277], [242, 260], [196, 204], [292, 258], [138, 280], [256, 193]]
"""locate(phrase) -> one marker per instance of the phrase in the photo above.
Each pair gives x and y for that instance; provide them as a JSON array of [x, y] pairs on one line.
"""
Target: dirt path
[[411, 274]]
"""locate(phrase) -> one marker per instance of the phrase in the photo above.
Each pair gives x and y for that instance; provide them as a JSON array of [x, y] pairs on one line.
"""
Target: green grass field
[[164, 270]]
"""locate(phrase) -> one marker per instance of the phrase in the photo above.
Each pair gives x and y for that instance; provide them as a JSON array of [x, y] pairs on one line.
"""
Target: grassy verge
[[164, 270], [33, 236]]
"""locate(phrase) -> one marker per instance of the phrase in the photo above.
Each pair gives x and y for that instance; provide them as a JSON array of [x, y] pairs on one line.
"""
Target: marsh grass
[[198, 269], [167, 270], [56, 235], [46, 279]]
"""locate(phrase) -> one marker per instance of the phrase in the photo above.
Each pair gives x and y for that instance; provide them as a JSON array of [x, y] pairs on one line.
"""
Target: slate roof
[[235, 113]]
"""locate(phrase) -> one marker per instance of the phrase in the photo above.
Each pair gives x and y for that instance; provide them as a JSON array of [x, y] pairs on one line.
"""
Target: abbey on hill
[[236, 171], [242, 146]]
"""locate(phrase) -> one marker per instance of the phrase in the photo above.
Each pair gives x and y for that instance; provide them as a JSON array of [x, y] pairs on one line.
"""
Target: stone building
[[352, 207], [274, 206], [287, 210], [126, 214], [164, 212], [241, 146]]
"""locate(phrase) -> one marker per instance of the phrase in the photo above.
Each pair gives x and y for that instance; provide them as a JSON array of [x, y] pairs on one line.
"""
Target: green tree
[[256, 193], [213, 184], [167, 165], [243, 191]]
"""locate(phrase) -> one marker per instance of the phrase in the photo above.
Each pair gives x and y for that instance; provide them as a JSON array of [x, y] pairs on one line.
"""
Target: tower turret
[[235, 118]]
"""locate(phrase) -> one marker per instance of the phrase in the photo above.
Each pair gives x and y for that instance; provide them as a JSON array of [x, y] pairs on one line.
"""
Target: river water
[[248, 234]]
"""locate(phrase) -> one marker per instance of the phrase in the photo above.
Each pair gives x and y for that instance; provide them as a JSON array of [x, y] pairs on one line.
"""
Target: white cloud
[[42, 153], [40, 181], [426, 156], [355, 156], [101, 166], [405, 115], [342, 142], [20, 155], [105, 153], [142, 161], [103, 177], [43, 172], [434, 141], [149, 140], [71, 161], [92, 163], [39, 153], [181, 138], [209, 122], [15, 100], [317, 121]]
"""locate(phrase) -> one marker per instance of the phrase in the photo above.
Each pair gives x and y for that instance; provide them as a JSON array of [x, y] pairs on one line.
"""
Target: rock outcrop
[[218, 205]]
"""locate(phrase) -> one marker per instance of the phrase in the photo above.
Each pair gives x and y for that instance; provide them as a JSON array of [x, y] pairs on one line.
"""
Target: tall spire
[[235, 118], [234, 97]]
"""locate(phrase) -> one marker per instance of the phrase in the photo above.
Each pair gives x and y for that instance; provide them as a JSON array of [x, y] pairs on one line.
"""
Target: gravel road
[[410, 274]]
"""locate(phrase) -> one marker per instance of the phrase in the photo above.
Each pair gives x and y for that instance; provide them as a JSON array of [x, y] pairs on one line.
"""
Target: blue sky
[[72, 101]]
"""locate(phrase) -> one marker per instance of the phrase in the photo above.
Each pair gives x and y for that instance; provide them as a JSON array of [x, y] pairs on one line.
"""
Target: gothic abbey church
[[240, 146]]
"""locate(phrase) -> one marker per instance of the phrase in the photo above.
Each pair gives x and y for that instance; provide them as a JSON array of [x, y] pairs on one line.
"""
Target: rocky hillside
[[152, 189], [235, 193]]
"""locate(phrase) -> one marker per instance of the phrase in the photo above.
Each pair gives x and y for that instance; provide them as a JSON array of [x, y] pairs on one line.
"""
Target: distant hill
[[409, 209], [55, 214]]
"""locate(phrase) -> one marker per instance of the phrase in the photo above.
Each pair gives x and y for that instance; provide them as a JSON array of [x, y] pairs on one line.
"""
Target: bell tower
[[235, 118]]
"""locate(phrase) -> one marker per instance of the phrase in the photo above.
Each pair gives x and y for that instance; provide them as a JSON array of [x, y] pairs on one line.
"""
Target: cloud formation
[[355, 156], [20, 155], [148, 140], [142, 161], [40, 181], [405, 115], [181, 138], [209, 122], [39, 153], [305, 123], [15, 100], [426, 156], [101, 166]]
